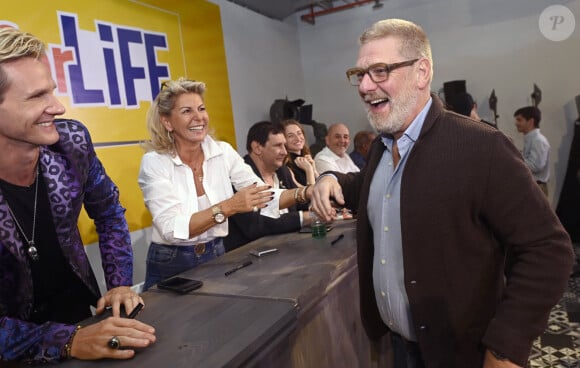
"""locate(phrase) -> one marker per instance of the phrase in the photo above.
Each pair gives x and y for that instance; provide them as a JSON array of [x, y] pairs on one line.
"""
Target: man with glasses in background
[[441, 201]]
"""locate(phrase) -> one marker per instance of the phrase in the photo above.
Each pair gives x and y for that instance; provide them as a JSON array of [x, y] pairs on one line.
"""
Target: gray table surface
[[206, 331], [234, 320], [299, 272]]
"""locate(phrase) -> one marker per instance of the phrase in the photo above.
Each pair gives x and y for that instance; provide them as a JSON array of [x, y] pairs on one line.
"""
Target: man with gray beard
[[439, 204]]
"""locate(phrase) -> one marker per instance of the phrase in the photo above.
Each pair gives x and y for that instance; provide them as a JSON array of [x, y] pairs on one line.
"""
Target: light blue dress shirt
[[537, 155], [385, 218]]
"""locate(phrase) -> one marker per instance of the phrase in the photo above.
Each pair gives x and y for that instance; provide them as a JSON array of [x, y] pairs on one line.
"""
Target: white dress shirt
[[326, 160], [170, 195]]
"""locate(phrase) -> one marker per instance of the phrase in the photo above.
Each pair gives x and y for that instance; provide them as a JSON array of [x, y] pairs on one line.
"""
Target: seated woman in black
[[299, 161]]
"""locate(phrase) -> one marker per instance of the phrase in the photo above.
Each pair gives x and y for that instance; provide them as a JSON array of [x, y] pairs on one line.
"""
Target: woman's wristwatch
[[218, 216]]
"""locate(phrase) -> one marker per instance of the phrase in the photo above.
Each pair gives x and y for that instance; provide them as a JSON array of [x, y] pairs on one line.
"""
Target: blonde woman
[[187, 178]]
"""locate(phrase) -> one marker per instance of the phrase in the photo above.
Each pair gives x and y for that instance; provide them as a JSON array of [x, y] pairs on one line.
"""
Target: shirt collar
[[532, 132], [210, 149]]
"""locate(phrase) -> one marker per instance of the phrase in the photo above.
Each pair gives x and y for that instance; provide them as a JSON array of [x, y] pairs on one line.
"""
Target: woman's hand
[[303, 163], [91, 342], [306, 163], [115, 297], [248, 198]]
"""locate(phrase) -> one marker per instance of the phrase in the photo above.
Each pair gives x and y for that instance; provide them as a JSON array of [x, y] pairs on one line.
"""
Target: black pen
[[337, 239], [238, 267], [135, 311]]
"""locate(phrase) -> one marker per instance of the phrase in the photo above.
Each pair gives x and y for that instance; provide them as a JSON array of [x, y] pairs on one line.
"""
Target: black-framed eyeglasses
[[378, 72]]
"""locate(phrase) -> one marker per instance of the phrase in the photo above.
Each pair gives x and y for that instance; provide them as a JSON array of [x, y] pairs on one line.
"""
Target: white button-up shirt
[[169, 190], [326, 160]]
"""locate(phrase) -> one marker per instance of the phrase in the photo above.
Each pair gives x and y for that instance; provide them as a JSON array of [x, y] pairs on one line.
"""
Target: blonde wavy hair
[[15, 44], [161, 139]]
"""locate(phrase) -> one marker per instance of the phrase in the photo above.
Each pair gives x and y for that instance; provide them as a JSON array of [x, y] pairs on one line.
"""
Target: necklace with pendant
[[198, 173], [32, 251]]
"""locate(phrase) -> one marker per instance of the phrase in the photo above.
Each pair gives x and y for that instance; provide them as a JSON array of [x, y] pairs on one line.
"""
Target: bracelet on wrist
[[306, 192], [301, 195], [68, 346]]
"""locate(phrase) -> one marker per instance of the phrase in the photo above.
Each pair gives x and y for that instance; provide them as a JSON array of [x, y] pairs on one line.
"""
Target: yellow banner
[[109, 58]]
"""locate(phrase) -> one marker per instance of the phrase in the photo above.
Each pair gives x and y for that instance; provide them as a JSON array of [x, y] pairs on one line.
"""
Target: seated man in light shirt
[[333, 157]]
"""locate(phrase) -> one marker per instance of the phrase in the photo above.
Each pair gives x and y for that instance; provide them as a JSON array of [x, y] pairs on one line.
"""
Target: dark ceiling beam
[[310, 17]]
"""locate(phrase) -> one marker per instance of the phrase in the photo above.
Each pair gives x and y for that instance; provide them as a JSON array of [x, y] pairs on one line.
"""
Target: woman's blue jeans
[[164, 261]]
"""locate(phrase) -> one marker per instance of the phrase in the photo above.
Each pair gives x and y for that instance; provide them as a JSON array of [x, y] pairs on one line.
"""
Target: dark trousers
[[406, 353]]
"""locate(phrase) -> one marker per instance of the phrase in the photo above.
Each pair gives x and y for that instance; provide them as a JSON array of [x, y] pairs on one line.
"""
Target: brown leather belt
[[199, 249], [202, 248]]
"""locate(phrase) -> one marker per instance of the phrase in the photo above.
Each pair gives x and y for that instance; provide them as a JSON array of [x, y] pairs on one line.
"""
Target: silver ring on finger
[[114, 343]]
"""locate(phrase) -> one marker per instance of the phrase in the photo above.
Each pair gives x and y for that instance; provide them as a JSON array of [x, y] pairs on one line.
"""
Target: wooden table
[[207, 331], [300, 272], [297, 307]]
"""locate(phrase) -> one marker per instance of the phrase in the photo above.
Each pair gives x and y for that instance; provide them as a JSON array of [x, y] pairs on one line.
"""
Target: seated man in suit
[[266, 155]]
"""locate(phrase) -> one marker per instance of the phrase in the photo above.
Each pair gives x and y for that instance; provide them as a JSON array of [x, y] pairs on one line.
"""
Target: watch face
[[219, 218]]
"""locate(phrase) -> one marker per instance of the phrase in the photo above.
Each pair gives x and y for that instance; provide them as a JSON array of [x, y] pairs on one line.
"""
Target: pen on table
[[135, 311], [238, 267], [337, 239]]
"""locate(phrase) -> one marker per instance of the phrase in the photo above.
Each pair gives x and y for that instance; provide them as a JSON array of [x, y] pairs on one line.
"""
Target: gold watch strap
[[216, 209]]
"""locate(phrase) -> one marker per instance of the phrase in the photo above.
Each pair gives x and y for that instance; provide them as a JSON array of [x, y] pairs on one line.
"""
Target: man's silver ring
[[255, 209], [114, 343]]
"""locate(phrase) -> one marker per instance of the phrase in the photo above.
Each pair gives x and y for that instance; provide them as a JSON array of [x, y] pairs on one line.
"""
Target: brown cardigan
[[466, 198]]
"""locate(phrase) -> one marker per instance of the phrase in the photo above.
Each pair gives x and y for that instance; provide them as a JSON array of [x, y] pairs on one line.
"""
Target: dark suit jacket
[[466, 197], [245, 227], [74, 177]]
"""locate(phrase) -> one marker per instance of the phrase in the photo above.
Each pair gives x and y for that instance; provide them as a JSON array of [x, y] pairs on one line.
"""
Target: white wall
[[263, 58], [493, 44]]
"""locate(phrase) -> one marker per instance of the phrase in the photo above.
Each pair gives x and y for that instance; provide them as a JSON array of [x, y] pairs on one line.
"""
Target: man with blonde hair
[[434, 229], [48, 171]]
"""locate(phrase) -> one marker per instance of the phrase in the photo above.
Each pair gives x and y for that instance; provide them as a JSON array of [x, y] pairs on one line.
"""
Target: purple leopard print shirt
[[74, 177]]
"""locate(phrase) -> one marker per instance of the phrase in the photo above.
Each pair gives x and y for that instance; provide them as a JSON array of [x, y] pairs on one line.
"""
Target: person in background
[[462, 103], [320, 131], [299, 161], [433, 228], [362, 143], [536, 147], [266, 156], [48, 171], [186, 178], [333, 157]]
